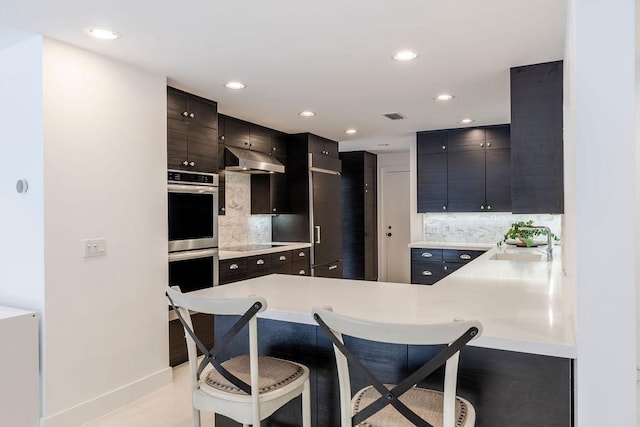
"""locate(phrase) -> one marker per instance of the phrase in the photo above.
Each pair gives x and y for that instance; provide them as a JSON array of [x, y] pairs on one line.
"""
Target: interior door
[[327, 218], [395, 225]]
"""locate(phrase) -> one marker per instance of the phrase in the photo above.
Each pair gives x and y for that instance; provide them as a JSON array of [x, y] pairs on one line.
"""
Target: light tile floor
[[168, 407]]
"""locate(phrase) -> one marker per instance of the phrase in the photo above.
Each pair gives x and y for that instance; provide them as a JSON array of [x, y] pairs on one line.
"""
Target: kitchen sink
[[522, 257]]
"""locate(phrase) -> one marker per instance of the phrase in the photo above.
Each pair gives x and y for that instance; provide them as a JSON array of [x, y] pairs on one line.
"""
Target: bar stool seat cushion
[[274, 374], [425, 403]]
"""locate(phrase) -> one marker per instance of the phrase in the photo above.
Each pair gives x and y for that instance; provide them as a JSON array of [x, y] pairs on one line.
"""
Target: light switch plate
[[94, 247]]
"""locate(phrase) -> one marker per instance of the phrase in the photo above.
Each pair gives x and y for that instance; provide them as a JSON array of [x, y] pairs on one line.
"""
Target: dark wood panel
[[202, 112], [222, 205], [460, 255], [426, 273], [353, 215], [537, 138], [432, 142], [279, 145], [261, 194], [498, 180], [203, 327], [280, 189], [202, 146], [176, 104], [466, 181], [237, 133], [498, 137], [426, 255], [258, 265], [450, 267], [282, 262], [301, 268], [232, 270], [432, 182], [261, 139], [331, 270], [176, 144], [471, 139], [508, 388], [327, 208]]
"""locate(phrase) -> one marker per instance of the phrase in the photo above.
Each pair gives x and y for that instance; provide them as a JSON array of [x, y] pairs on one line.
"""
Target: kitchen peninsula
[[519, 372]]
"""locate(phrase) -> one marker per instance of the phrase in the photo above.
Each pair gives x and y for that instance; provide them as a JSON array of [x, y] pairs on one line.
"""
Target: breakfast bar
[[519, 372]]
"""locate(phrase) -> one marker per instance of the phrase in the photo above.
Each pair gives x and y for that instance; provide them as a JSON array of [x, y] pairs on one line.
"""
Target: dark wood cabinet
[[234, 132], [327, 218], [192, 133], [359, 215], [296, 262], [536, 138], [432, 171], [464, 170], [429, 265], [270, 192], [203, 326], [323, 146], [331, 270]]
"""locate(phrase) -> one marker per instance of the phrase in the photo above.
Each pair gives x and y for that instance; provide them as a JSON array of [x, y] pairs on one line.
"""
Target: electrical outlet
[[94, 247], [432, 229]]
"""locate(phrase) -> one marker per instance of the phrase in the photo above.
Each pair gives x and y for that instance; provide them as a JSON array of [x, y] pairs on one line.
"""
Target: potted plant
[[526, 237]]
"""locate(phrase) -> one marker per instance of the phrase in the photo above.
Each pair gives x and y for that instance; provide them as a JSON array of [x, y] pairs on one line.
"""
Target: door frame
[[382, 252]]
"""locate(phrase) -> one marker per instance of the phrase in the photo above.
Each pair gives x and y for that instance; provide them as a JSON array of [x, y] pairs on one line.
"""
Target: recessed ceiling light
[[444, 97], [405, 55], [101, 33], [235, 85], [351, 131], [307, 113], [466, 121]]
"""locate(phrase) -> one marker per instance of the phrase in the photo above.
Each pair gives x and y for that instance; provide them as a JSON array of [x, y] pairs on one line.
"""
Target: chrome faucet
[[549, 242]]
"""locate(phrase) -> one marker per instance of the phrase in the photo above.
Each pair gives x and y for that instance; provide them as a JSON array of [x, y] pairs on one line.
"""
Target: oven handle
[[201, 253], [192, 189]]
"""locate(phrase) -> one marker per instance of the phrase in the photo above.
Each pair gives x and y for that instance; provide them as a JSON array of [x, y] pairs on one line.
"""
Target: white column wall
[[602, 170], [21, 215], [105, 177]]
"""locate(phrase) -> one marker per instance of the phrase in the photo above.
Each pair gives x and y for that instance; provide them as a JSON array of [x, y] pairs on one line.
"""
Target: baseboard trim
[[105, 403]]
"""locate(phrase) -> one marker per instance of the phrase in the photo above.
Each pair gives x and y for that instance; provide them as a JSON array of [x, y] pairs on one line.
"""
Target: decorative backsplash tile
[[238, 226], [480, 227]]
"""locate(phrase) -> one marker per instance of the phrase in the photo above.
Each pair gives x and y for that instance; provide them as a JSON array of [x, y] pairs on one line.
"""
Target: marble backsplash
[[238, 226], [480, 227]]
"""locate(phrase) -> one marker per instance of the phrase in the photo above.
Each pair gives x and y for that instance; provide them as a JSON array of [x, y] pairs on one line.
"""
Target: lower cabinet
[[203, 325], [429, 265], [285, 262]]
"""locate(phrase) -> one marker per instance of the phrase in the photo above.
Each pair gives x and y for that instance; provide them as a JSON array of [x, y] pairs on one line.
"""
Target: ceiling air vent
[[394, 116]]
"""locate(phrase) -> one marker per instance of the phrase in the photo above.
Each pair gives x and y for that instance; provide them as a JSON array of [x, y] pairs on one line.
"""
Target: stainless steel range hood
[[247, 161]]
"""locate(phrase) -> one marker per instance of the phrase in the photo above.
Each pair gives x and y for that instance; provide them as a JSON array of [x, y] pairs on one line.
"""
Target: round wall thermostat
[[22, 186]]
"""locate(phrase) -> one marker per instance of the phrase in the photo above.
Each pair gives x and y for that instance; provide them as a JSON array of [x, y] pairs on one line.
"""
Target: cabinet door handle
[[192, 115], [427, 254], [488, 144], [317, 227], [301, 254], [185, 163], [185, 114], [488, 207], [445, 268], [427, 273], [333, 267], [444, 147], [465, 256], [222, 209], [221, 137], [260, 262], [274, 209], [444, 208], [482, 207], [482, 144], [302, 272], [282, 258], [192, 164], [233, 267]]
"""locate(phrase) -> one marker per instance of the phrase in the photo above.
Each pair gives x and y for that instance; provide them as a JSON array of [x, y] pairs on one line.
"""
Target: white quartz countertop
[[11, 312], [523, 306], [452, 245], [281, 247]]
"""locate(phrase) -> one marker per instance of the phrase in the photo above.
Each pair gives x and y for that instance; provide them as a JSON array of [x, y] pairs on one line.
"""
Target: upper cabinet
[[238, 133], [192, 133], [319, 145], [536, 138], [464, 170]]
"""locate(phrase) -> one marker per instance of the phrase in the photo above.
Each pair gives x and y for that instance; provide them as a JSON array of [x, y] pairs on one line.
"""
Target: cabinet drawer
[[232, 270], [426, 255], [301, 268], [258, 265], [281, 262], [301, 254], [426, 273], [450, 267], [455, 255]]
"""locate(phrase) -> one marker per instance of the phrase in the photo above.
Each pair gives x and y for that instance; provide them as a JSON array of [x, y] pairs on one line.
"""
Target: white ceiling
[[329, 56]]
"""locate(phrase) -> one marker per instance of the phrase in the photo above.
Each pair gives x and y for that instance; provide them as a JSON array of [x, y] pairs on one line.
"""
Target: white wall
[[21, 215], [89, 133], [602, 170]]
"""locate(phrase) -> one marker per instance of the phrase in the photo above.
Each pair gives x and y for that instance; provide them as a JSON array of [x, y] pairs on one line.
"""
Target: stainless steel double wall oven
[[193, 229]]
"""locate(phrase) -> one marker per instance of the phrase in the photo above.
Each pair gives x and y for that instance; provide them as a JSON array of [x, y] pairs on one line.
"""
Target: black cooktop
[[247, 248]]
